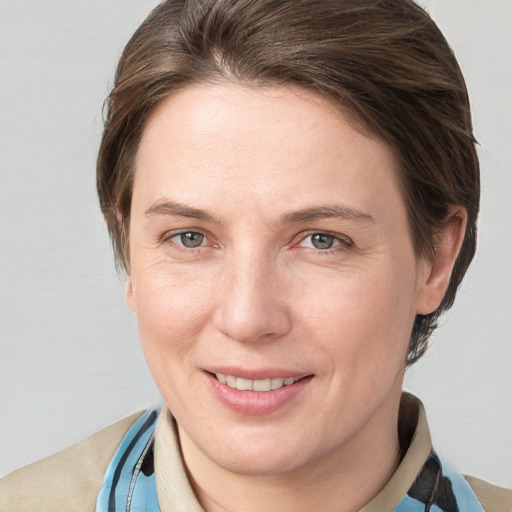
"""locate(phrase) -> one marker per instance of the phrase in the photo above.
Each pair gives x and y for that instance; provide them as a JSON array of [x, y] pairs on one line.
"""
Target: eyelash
[[343, 242], [168, 237]]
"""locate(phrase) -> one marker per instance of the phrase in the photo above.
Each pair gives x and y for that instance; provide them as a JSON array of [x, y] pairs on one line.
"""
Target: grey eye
[[191, 239], [322, 241]]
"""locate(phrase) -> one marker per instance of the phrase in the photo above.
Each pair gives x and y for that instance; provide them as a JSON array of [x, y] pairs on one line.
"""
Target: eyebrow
[[335, 211], [177, 209], [327, 212]]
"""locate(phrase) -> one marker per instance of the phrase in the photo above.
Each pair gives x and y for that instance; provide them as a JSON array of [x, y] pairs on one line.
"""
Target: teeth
[[243, 384], [254, 385], [277, 383], [262, 385]]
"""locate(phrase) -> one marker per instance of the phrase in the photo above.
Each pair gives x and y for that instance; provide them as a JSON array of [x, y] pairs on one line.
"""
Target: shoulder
[[69, 480], [492, 497]]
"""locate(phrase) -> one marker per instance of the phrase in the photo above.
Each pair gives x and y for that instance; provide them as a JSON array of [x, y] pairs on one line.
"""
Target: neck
[[344, 480]]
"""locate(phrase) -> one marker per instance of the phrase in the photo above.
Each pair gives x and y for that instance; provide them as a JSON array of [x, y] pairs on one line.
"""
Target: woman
[[292, 189]]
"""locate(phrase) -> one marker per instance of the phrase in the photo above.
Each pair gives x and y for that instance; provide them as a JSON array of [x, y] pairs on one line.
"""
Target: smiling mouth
[[256, 385]]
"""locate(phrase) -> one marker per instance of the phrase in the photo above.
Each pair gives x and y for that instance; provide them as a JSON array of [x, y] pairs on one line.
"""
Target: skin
[[258, 293]]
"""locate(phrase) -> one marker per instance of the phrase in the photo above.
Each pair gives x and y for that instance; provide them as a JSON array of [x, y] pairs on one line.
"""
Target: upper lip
[[257, 373]]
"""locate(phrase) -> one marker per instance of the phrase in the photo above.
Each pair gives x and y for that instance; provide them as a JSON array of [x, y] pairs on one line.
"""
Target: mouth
[[260, 385], [267, 394]]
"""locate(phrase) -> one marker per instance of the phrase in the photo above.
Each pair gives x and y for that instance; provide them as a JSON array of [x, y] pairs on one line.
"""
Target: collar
[[415, 455], [175, 493]]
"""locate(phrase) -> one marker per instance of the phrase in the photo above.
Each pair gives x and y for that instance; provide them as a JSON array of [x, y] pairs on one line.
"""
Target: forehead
[[280, 145]]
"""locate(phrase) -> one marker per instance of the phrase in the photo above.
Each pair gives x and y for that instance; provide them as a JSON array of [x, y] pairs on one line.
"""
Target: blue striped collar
[[148, 458]]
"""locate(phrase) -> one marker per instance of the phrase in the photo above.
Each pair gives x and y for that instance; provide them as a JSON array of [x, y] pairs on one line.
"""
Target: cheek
[[363, 319], [172, 310], [172, 307]]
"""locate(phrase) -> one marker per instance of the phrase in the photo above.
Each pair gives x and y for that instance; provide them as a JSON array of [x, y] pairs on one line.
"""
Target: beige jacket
[[70, 480]]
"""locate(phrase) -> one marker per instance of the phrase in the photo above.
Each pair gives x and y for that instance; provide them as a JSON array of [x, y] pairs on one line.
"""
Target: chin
[[262, 463], [258, 452]]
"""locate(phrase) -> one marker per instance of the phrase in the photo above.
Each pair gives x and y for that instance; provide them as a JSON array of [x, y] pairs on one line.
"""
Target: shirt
[[146, 473]]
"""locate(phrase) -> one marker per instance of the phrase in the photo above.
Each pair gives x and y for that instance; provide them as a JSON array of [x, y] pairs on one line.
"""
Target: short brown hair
[[383, 62]]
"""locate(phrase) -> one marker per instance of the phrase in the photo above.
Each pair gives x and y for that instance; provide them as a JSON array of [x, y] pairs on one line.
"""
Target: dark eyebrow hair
[[164, 207], [327, 212]]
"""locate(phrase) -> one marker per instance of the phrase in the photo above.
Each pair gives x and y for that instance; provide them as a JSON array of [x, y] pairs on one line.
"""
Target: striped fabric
[[439, 489], [130, 484]]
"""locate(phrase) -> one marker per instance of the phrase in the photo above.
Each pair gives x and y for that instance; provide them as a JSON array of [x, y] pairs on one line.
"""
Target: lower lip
[[256, 402]]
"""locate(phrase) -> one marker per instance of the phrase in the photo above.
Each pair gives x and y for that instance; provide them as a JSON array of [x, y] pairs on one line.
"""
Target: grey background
[[70, 361]]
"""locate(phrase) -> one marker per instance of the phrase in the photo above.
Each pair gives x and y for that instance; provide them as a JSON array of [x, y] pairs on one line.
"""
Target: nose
[[252, 301]]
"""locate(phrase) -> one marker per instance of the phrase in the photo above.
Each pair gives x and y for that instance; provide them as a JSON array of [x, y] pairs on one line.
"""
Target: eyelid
[[169, 235], [344, 240]]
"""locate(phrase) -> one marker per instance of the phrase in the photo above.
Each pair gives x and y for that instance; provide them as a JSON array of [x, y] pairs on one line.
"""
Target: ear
[[447, 244], [128, 294]]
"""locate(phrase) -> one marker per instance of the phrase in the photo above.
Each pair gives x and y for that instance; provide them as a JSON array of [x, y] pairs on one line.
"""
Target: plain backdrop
[[70, 361]]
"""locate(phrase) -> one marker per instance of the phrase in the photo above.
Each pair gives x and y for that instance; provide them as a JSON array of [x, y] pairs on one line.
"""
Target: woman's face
[[272, 274]]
